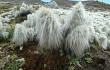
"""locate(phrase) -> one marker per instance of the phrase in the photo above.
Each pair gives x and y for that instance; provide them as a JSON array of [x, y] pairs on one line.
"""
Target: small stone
[[21, 48], [0, 48], [8, 56], [22, 59], [20, 69], [37, 52]]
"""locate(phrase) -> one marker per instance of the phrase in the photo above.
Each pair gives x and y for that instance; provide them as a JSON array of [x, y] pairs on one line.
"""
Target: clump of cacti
[[20, 35], [77, 30], [3, 32], [25, 8]]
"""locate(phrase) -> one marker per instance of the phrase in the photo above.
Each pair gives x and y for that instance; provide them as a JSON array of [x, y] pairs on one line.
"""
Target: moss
[[72, 60], [13, 46], [5, 44], [14, 56], [11, 31], [95, 46], [13, 21], [89, 59], [71, 68], [1, 53]]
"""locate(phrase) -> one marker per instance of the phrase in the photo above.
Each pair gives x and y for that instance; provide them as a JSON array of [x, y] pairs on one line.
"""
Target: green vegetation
[[72, 60], [14, 56], [14, 65], [89, 58]]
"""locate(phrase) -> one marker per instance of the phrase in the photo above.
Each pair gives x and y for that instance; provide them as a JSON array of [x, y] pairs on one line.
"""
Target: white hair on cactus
[[39, 19], [30, 33], [50, 32], [6, 19], [108, 44], [24, 5], [5, 34], [30, 7], [31, 20], [25, 23], [25, 8], [76, 18], [78, 15], [15, 13], [1, 27], [92, 32], [102, 41], [53, 4], [78, 40], [108, 33], [104, 28], [108, 23], [96, 36], [20, 35], [98, 29]]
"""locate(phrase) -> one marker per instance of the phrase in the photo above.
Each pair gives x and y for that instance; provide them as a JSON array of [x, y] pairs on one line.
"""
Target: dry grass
[[100, 5], [5, 7]]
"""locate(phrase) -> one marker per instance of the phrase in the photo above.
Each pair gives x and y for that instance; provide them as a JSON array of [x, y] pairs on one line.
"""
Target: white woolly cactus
[[97, 29], [78, 40], [1, 27], [108, 33], [103, 41], [15, 13], [3, 32], [108, 44], [104, 28], [30, 33], [96, 36], [53, 4], [25, 8], [92, 32], [78, 31], [20, 35], [51, 26], [76, 18], [81, 14], [50, 33], [25, 23], [39, 19], [31, 20]]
